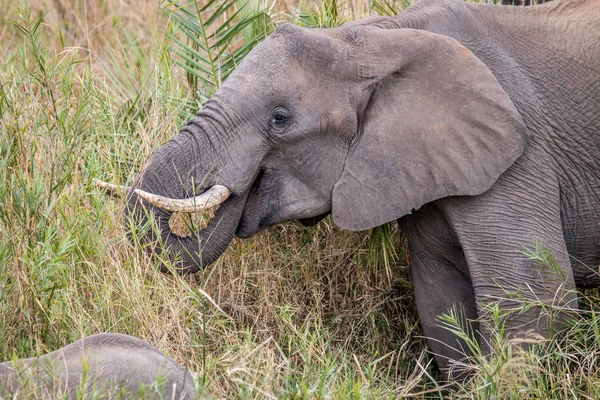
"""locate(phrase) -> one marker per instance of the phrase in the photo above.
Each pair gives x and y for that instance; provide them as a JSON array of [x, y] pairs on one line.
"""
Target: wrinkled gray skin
[[114, 363], [476, 126]]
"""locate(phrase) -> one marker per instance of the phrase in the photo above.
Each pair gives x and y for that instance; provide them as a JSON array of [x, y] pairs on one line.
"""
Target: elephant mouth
[[266, 207], [312, 221]]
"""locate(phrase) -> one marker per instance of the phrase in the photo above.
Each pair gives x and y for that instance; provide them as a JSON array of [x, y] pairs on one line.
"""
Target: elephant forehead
[[271, 71], [304, 46], [267, 56]]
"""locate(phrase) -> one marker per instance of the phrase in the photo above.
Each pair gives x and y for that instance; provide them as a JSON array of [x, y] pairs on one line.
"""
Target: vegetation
[[292, 313]]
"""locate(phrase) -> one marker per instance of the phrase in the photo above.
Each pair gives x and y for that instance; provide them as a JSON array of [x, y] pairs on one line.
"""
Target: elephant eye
[[280, 118]]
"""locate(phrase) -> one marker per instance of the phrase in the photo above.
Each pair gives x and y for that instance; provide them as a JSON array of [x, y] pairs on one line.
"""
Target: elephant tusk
[[111, 189], [214, 196]]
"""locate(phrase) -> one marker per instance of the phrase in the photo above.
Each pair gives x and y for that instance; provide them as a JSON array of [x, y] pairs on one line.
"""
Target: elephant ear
[[437, 124]]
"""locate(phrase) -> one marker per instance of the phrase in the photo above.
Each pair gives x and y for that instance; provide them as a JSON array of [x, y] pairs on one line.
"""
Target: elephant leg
[[496, 230], [441, 284], [439, 288]]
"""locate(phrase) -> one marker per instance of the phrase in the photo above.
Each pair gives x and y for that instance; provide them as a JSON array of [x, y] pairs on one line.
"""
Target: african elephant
[[476, 126], [107, 363]]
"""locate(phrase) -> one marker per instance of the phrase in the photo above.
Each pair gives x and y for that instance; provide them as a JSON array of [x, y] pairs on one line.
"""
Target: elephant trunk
[[177, 171]]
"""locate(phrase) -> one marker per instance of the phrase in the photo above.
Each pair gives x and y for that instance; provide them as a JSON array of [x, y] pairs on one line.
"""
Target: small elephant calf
[[110, 364]]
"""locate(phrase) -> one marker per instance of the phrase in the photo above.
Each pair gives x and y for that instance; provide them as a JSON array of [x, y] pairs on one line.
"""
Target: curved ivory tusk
[[214, 196]]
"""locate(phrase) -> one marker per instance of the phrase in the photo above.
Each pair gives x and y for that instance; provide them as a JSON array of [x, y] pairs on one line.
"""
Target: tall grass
[[292, 313]]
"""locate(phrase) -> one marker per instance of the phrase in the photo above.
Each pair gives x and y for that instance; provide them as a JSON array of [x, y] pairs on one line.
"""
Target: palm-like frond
[[325, 15], [211, 39], [390, 7]]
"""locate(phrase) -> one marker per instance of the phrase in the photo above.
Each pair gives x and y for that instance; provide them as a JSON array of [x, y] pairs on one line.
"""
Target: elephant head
[[361, 122]]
